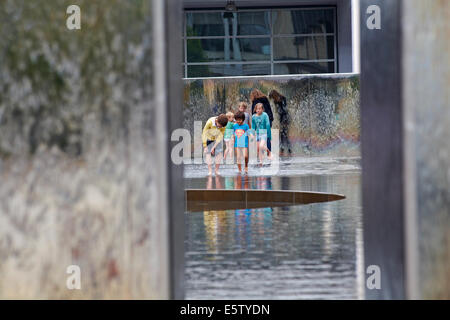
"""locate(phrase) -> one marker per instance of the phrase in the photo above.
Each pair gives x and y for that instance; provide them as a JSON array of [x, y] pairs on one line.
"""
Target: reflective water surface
[[301, 252]]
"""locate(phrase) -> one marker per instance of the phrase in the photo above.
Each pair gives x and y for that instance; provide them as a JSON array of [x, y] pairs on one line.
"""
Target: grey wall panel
[[381, 148], [173, 23]]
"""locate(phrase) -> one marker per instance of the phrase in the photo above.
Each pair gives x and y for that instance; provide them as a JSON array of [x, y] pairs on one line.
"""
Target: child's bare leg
[[218, 161], [227, 150], [246, 159], [261, 152], [230, 154], [264, 149], [238, 159], [269, 153], [257, 152], [230, 149], [208, 161]]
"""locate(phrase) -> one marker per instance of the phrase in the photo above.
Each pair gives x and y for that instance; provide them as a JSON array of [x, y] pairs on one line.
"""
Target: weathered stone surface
[[76, 166]]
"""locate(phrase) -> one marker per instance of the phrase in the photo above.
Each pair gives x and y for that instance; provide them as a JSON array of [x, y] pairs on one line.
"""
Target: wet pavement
[[302, 252]]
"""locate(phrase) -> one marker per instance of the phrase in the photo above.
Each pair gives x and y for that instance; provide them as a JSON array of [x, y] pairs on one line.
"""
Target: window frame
[[271, 61]]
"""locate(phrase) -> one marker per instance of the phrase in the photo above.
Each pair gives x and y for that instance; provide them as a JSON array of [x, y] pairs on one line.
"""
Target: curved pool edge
[[224, 199]]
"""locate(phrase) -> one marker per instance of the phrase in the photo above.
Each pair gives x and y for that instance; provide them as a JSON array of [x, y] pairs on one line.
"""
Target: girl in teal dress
[[228, 135]]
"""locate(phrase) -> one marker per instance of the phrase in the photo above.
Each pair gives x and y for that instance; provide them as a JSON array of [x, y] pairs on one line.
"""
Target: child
[[248, 118], [261, 124], [228, 134], [240, 138], [212, 140]]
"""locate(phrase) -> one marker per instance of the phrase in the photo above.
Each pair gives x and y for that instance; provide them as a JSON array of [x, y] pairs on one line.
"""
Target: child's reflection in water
[[241, 182], [247, 222], [209, 183]]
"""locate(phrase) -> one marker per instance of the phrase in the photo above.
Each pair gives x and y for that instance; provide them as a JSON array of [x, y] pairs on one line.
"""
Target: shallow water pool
[[302, 252]]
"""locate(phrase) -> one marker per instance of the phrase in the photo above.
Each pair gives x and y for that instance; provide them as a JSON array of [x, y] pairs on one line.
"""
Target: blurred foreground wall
[[405, 143], [426, 73], [82, 173]]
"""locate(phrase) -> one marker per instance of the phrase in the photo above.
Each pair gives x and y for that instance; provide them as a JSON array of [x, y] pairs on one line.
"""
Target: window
[[259, 42]]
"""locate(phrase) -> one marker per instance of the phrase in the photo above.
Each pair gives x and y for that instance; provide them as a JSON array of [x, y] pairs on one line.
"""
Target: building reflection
[[215, 227], [317, 244], [269, 229], [214, 221]]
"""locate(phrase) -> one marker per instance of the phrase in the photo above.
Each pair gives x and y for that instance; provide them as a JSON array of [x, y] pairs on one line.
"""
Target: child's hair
[[259, 104], [256, 94], [239, 115], [243, 104], [222, 120], [275, 95], [230, 114]]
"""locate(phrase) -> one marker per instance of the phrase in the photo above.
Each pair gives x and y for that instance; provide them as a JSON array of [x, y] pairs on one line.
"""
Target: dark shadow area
[[201, 199]]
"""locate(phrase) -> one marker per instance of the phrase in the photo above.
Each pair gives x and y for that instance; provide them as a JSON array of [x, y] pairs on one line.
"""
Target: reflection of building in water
[[306, 251], [328, 230], [215, 225]]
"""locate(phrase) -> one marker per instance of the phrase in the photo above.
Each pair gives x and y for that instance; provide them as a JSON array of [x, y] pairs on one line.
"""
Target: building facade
[[260, 38]]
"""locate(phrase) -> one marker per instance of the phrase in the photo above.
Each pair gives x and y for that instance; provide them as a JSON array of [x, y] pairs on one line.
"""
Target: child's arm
[[250, 119], [219, 139]]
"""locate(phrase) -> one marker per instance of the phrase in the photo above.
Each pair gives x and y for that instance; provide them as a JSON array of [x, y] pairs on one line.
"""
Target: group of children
[[235, 129]]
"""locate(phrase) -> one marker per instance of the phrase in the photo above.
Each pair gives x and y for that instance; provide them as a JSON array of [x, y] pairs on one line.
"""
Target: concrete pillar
[[381, 149], [174, 108], [405, 129]]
